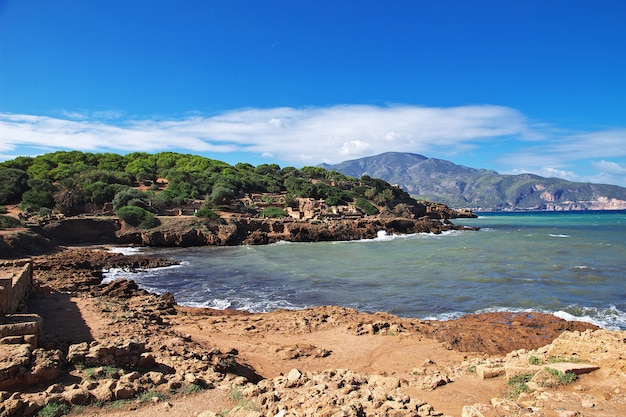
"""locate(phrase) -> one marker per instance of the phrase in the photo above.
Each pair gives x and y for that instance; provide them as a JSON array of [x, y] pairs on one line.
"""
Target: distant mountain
[[481, 189]]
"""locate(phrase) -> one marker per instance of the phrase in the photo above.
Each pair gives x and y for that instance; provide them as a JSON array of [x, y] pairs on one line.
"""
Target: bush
[[3, 210], [208, 213], [138, 217], [130, 197], [13, 183], [564, 378], [8, 222], [274, 212], [518, 384], [54, 409], [367, 207]]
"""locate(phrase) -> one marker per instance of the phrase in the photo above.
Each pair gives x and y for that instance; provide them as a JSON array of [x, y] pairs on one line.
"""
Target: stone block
[[489, 371], [21, 324]]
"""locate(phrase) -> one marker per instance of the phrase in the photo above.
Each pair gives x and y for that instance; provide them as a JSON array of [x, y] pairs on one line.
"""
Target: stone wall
[[15, 284]]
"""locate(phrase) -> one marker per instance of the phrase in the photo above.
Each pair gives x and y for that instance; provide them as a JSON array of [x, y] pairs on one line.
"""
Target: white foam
[[609, 318], [113, 274], [126, 250], [453, 315], [558, 235]]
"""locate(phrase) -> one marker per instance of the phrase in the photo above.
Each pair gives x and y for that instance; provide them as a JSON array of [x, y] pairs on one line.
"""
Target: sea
[[570, 264]]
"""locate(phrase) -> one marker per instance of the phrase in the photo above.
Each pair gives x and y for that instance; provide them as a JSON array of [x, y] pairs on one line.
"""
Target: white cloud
[[558, 173], [598, 144], [548, 172], [330, 134], [610, 167]]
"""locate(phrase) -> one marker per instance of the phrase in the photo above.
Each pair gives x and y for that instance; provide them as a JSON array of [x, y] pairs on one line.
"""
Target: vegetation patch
[[274, 212], [518, 384], [137, 217], [206, 212], [564, 378], [8, 222], [558, 359], [151, 395], [367, 207], [54, 409], [193, 389], [77, 182], [99, 372]]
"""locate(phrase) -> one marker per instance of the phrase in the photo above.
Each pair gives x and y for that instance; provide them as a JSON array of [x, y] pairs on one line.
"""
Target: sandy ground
[[314, 340]]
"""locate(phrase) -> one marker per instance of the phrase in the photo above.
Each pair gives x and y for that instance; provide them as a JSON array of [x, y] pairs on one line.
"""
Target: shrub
[[53, 410], [208, 213], [130, 197], [8, 222], [367, 207], [564, 378], [137, 217], [274, 212], [193, 389], [13, 183], [3, 210], [518, 384]]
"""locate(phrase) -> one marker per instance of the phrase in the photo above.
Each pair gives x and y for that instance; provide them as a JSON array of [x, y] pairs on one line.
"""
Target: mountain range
[[481, 189]]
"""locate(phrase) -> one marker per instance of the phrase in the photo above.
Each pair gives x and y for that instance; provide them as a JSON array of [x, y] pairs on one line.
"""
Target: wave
[[558, 235], [383, 236], [244, 304], [112, 274], [610, 318], [126, 250]]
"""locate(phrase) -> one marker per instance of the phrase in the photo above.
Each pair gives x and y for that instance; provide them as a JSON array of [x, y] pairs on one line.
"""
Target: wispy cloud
[[294, 135], [329, 134], [610, 167]]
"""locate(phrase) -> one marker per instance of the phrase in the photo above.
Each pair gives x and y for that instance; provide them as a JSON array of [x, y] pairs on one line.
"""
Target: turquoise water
[[569, 264]]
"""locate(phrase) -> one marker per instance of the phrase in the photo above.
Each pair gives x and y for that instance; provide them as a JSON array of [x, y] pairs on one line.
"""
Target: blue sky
[[519, 86]]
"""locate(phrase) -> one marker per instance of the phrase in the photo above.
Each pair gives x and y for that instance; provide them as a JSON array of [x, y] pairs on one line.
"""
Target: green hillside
[[75, 182]]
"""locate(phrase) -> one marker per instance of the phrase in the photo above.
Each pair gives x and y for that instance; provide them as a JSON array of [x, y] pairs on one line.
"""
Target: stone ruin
[[20, 334], [15, 285]]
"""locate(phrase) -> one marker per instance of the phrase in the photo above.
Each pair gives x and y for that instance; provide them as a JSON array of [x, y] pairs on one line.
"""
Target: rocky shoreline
[[116, 345], [184, 231]]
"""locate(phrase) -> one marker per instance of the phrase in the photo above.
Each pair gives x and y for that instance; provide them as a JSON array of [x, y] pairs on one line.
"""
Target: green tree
[[130, 197], [142, 166], [110, 162], [13, 183], [313, 172], [69, 195], [41, 167], [21, 162], [38, 195], [100, 192], [221, 195]]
